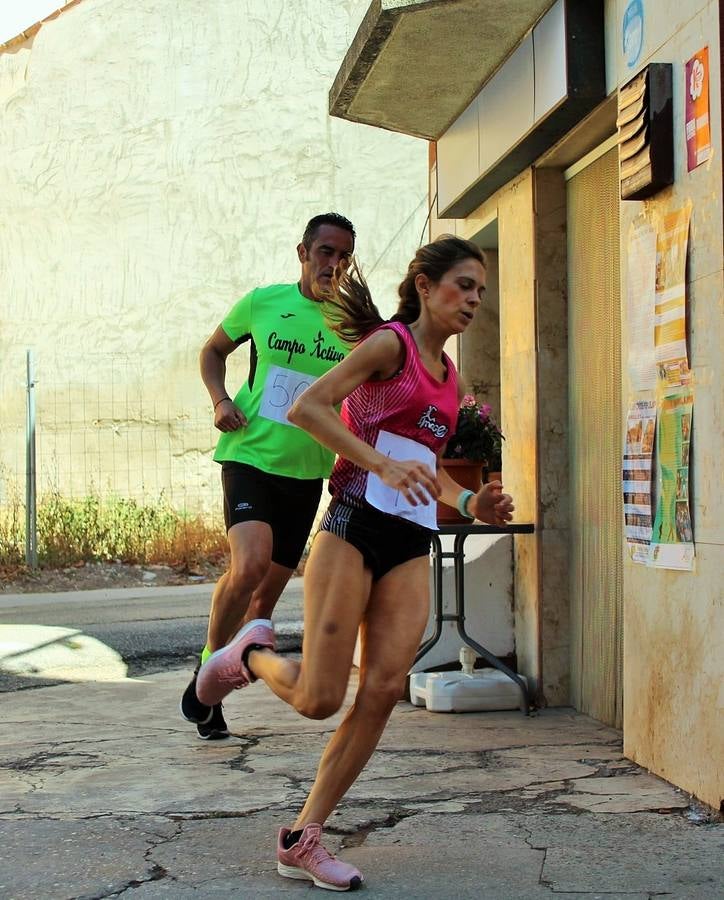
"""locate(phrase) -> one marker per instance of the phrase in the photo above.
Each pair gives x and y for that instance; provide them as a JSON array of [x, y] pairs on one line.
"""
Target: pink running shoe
[[309, 861], [224, 670]]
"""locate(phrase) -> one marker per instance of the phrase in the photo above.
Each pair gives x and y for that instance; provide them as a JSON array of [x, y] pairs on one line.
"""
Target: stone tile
[[626, 793], [474, 804], [643, 852]]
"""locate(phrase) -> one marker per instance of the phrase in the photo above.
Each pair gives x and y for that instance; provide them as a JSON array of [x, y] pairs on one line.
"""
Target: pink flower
[[485, 410], [468, 400]]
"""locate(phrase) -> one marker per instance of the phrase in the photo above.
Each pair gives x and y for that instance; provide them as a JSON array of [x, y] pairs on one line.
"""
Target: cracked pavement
[[105, 792]]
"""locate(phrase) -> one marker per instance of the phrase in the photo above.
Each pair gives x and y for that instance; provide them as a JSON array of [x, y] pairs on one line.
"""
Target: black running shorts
[[288, 505], [384, 541]]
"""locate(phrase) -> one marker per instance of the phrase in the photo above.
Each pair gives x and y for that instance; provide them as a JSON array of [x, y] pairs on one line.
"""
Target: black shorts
[[384, 541], [288, 505]]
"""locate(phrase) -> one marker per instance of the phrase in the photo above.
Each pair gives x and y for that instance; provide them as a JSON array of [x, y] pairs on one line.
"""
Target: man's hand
[[491, 505], [415, 480], [228, 417]]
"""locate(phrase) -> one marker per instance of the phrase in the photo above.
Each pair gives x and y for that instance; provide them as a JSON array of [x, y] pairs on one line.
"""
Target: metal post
[[31, 522]]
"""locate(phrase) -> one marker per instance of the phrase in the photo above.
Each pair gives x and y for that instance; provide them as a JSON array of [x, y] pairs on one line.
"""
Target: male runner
[[271, 470]]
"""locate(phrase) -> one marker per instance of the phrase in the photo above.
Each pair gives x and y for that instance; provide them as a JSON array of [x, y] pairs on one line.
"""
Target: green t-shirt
[[291, 346]]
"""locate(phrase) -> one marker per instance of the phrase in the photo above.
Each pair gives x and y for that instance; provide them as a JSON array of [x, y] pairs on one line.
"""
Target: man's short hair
[[330, 218]]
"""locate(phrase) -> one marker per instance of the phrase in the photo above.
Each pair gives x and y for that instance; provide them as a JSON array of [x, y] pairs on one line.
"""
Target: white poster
[[389, 500], [641, 302]]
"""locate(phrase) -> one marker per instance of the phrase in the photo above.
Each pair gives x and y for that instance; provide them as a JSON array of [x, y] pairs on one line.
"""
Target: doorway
[[594, 361]]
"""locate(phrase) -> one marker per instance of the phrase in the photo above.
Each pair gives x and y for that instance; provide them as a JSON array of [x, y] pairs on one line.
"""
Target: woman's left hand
[[491, 505]]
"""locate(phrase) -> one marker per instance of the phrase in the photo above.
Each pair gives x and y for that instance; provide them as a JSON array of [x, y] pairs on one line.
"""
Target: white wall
[[160, 158]]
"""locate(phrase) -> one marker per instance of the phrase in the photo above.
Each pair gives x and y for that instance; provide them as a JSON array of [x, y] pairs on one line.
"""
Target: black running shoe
[[192, 709], [215, 729]]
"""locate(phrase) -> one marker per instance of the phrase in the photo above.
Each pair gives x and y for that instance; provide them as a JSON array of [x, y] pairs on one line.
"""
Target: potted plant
[[476, 445]]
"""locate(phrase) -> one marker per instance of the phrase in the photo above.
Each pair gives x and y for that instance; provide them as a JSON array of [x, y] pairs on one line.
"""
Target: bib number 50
[[281, 389]]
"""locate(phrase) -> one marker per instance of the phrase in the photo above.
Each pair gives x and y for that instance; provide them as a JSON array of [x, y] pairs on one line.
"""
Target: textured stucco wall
[[673, 670], [673, 621], [160, 159]]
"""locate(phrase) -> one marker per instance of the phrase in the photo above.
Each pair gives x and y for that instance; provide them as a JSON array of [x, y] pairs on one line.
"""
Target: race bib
[[389, 500], [281, 389]]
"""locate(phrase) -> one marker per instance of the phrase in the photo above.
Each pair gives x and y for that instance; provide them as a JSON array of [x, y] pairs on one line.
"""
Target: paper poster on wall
[[670, 310], [672, 544], [641, 301], [697, 124], [636, 478]]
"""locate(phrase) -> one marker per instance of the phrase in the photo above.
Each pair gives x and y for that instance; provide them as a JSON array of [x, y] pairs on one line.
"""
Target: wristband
[[221, 400], [462, 503]]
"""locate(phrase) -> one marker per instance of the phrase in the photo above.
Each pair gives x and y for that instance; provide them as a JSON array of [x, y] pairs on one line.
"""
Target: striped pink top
[[412, 404]]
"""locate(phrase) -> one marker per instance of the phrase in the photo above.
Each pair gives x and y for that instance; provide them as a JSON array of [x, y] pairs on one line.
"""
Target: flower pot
[[468, 473]]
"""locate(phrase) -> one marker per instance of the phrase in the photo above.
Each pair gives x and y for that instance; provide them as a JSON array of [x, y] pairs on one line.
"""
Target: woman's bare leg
[[393, 626], [336, 589]]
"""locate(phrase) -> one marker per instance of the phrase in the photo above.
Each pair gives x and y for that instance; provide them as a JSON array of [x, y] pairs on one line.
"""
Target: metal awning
[[415, 65]]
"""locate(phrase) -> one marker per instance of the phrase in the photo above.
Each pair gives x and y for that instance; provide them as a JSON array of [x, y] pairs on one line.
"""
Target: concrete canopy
[[414, 65]]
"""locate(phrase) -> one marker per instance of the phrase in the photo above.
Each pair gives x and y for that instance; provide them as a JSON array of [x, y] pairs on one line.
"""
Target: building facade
[[580, 144]]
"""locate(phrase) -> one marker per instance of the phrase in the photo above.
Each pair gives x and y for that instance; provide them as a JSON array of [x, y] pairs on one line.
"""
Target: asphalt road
[[144, 629]]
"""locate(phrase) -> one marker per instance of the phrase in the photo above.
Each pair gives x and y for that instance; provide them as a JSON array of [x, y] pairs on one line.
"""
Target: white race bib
[[389, 500], [281, 389]]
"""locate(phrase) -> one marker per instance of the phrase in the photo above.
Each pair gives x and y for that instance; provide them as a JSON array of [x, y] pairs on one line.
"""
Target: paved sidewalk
[[106, 792]]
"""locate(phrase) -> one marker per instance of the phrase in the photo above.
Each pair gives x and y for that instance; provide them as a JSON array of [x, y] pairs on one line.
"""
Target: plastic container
[[467, 691]]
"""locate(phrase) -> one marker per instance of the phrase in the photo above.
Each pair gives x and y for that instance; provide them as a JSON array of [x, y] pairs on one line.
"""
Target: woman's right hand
[[228, 417], [416, 481]]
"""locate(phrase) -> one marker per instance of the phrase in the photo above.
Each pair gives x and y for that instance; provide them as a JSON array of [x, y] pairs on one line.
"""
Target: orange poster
[[698, 129]]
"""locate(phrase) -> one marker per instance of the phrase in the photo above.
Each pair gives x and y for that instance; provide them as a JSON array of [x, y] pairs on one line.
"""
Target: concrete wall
[[674, 621], [480, 343], [159, 160], [673, 669]]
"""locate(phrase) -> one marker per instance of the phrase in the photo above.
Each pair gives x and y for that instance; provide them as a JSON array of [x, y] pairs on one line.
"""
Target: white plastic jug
[[467, 691]]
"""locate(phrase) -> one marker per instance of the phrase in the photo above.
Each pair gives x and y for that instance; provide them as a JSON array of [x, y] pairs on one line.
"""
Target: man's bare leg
[[250, 545], [249, 589]]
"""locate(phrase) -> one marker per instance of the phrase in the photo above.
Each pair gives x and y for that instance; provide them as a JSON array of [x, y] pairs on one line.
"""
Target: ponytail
[[408, 309], [349, 308]]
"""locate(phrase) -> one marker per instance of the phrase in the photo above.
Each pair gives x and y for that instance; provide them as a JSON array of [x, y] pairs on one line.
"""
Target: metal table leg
[[458, 557], [437, 558]]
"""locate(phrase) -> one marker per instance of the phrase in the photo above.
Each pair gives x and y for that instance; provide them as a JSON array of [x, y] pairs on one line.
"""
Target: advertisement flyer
[[670, 307], [641, 299], [672, 542], [636, 478], [698, 128]]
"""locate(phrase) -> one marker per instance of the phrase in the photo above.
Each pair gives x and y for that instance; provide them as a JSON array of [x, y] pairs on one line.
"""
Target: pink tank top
[[412, 404]]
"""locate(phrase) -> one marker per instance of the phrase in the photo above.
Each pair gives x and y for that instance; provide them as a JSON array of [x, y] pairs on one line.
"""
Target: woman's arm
[[379, 356], [489, 505]]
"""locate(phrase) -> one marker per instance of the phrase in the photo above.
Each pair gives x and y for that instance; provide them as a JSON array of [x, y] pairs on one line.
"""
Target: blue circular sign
[[632, 31]]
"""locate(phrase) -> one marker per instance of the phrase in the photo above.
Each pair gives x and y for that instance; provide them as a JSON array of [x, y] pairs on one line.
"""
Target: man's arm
[[212, 360]]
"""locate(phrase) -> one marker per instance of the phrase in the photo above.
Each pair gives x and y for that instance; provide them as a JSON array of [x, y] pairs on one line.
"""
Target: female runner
[[368, 569]]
